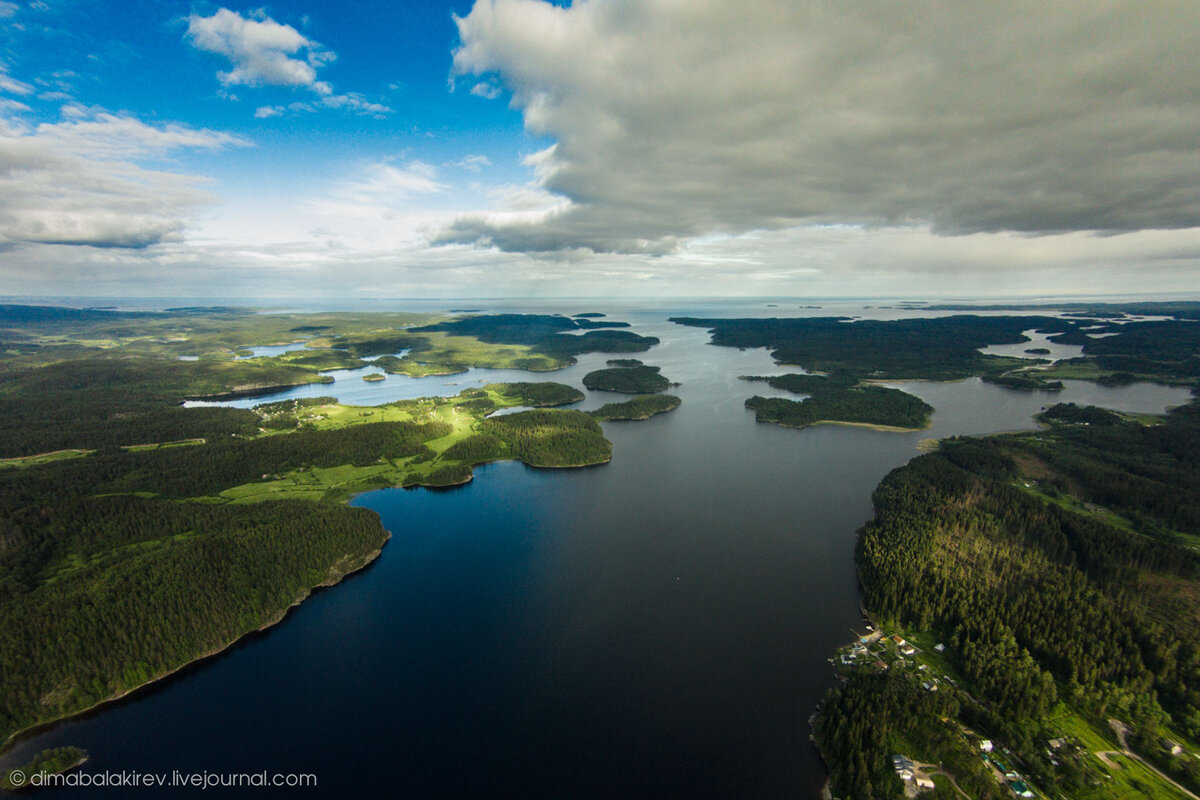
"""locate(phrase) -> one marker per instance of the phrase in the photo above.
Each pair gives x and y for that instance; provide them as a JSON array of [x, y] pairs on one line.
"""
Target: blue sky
[[600, 147]]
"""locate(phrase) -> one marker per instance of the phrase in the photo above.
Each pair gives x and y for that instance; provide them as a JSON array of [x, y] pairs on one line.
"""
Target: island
[[1027, 381], [839, 399], [640, 379], [642, 407]]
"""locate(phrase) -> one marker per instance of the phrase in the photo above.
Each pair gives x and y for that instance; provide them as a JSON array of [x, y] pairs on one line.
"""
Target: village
[[929, 668], [878, 650]]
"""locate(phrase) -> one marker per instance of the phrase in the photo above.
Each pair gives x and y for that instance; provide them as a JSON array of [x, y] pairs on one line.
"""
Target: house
[[929, 686], [1020, 789], [986, 746], [907, 649], [903, 766], [939, 647], [899, 640], [924, 782]]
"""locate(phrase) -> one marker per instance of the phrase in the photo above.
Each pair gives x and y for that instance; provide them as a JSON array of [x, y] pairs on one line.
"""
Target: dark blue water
[[657, 627]]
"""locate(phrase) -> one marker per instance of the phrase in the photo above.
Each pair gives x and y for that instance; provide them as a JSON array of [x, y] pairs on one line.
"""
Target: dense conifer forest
[[642, 407], [838, 398], [639, 379], [1061, 571]]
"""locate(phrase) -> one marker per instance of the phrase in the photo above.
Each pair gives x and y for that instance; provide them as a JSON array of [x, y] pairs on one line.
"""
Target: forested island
[[1027, 382], [642, 407], [137, 535], [636, 379], [839, 399]]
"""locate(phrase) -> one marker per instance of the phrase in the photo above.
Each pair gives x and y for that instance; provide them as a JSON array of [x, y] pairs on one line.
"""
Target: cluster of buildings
[[908, 772]]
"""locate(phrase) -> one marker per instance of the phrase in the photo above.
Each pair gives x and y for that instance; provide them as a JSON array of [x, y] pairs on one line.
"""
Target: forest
[[641, 407], [1028, 382], [838, 398], [639, 379], [551, 438], [101, 594], [1060, 569], [943, 348], [54, 761]]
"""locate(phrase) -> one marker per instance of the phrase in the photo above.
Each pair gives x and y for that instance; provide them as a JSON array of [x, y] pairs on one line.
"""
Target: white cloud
[[352, 102], [387, 182], [472, 163], [79, 181], [488, 91], [260, 50], [12, 85], [268, 53], [959, 115], [7, 9]]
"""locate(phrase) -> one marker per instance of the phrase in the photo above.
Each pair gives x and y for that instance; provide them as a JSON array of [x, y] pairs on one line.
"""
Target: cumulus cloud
[[261, 50], [488, 91], [268, 53], [79, 182], [674, 120]]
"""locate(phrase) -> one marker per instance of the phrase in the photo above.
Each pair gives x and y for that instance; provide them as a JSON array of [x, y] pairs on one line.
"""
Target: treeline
[[551, 438], [1008, 548], [839, 398], [129, 589]]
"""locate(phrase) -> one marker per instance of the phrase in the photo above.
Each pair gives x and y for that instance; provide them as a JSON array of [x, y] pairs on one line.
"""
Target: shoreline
[[869, 425], [332, 578]]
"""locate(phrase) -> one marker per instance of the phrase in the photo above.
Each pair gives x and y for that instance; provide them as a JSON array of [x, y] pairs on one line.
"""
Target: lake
[[656, 627]]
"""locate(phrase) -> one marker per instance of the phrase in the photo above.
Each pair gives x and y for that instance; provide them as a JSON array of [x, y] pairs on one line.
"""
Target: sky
[[523, 148]]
